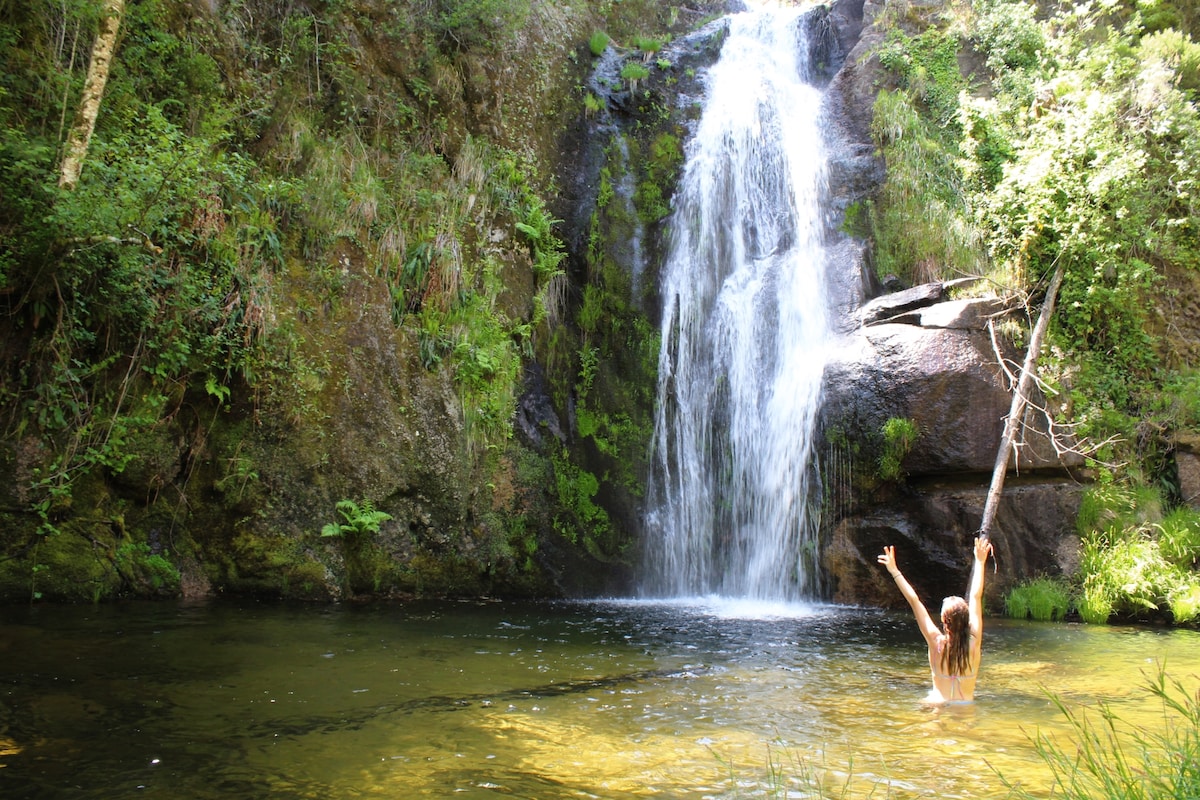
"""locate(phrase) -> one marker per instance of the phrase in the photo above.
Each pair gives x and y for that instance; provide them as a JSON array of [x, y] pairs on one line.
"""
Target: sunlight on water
[[600, 699], [727, 607]]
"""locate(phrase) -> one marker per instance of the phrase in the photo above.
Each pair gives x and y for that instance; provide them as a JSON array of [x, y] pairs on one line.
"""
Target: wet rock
[[1187, 462], [933, 361], [933, 526], [949, 382]]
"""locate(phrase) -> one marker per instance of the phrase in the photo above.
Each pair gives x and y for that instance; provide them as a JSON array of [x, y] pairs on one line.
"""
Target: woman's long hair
[[956, 655]]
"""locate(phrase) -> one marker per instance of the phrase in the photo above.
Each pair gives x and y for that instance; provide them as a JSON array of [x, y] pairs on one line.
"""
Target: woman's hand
[[983, 547], [888, 559]]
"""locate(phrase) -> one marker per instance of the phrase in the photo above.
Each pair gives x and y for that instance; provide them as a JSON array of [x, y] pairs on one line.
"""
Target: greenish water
[[548, 700]]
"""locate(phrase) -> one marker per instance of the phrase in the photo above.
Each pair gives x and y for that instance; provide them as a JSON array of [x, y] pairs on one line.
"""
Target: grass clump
[[632, 73], [1136, 562], [1108, 757], [1044, 599], [899, 435], [598, 43]]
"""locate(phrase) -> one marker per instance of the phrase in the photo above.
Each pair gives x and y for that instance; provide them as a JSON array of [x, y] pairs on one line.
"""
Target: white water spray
[[744, 332]]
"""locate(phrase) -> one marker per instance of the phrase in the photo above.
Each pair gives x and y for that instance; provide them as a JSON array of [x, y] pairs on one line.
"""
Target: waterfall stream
[[745, 327]]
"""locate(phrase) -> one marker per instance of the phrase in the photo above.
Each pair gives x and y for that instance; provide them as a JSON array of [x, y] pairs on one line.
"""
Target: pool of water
[[597, 699]]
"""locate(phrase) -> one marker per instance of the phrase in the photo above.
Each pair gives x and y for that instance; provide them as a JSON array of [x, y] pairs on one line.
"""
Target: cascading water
[[744, 332]]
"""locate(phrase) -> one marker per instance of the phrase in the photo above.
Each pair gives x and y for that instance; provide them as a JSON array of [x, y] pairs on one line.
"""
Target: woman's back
[[955, 649]]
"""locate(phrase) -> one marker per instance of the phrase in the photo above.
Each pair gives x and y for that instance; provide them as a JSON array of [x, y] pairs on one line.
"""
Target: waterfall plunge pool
[[597, 699]]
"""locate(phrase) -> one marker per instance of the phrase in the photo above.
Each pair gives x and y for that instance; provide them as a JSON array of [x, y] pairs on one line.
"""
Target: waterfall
[[745, 326]]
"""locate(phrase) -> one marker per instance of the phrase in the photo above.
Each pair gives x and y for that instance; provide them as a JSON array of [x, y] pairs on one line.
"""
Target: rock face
[[920, 355], [933, 362]]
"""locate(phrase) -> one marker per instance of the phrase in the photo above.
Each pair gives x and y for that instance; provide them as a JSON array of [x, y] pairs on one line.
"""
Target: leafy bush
[[1008, 31]]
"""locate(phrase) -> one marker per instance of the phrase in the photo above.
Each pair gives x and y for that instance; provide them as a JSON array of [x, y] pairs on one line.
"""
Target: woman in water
[[954, 654]]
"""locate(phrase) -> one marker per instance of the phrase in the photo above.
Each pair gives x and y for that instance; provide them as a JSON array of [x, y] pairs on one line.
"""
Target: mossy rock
[[63, 567]]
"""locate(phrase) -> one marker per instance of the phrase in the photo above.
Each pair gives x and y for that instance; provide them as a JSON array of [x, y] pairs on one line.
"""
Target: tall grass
[[1107, 757], [793, 774], [1179, 537], [1134, 560], [1044, 599], [920, 223]]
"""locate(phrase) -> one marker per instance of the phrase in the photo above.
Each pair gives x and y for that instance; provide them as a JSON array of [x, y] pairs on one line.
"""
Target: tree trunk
[[80, 135], [1020, 398]]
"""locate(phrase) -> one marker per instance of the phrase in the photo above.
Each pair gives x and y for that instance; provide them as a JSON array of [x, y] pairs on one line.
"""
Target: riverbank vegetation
[[1108, 757], [315, 251], [326, 250], [1035, 137]]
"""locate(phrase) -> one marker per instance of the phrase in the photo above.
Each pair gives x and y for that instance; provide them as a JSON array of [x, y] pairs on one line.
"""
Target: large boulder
[[948, 380], [935, 362], [932, 526]]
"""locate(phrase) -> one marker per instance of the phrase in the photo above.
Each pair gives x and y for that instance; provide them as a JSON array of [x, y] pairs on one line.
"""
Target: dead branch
[[1020, 398]]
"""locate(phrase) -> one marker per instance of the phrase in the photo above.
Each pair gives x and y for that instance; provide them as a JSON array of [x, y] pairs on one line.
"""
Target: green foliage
[[598, 43], [1044, 599], [546, 248], [359, 519], [1112, 507], [1179, 537], [898, 435], [633, 72], [1095, 184], [1135, 560], [153, 270], [581, 521], [649, 45], [1184, 601], [1080, 150], [486, 366], [450, 297], [921, 222], [927, 67], [1170, 50], [139, 566], [1107, 757], [250, 178], [1180, 400], [1009, 32], [659, 172], [475, 24]]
